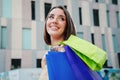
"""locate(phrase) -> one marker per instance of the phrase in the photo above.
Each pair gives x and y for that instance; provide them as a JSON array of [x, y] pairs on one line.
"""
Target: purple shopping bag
[[81, 70]]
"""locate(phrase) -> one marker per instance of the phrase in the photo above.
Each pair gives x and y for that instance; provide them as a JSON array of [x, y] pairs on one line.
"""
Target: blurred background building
[[22, 26]]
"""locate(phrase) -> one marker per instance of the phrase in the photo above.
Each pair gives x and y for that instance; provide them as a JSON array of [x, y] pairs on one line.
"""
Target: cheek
[[47, 25]]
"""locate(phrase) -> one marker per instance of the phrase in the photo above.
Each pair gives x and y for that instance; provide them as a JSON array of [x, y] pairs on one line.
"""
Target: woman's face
[[56, 23]]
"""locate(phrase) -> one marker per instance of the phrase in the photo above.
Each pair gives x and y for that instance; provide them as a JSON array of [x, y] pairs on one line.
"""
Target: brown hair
[[70, 28]]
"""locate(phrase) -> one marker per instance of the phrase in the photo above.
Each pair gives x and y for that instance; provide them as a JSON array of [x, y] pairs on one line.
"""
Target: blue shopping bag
[[68, 66], [59, 67]]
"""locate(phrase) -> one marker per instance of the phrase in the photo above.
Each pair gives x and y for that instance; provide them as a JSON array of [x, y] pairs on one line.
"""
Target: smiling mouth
[[54, 28]]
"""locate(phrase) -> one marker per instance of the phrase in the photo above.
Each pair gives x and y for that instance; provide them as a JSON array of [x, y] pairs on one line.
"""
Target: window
[[26, 38], [65, 6], [119, 58], [80, 34], [47, 8], [92, 38], [80, 15], [108, 18], [96, 0], [96, 17], [106, 65], [115, 2], [6, 7], [3, 37], [39, 63], [118, 19], [103, 42], [15, 63], [114, 43], [33, 9]]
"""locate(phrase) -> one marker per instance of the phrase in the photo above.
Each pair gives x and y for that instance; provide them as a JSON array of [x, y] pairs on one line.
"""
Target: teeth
[[53, 27]]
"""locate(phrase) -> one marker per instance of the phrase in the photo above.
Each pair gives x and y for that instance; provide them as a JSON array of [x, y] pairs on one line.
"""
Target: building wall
[[21, 74], [18, 17], [2, 60]]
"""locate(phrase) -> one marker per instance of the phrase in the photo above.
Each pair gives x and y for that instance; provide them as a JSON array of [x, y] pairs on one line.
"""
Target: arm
[[43, 62]]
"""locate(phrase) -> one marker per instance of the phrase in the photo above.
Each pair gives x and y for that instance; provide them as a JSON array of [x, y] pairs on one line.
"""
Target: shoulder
[[57, 48]]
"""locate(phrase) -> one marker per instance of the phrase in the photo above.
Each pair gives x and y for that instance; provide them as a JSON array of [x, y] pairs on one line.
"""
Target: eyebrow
[[62, 16], [59, 15]]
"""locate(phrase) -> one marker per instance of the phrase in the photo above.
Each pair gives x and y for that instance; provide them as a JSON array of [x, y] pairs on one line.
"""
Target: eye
[[61, 18]]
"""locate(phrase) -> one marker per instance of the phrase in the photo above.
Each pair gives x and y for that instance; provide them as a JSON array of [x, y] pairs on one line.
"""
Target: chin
[[54, 34]]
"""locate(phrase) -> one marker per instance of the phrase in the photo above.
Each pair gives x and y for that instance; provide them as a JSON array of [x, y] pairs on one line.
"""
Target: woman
[[58, 27]]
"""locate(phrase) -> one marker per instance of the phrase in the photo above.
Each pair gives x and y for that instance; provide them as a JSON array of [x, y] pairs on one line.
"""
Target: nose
[[54, 20]]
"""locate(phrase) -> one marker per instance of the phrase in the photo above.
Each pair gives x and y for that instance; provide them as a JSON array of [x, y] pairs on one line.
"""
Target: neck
[[55, 40]]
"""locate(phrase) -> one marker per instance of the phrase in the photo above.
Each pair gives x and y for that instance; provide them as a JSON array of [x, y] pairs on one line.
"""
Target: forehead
[[57, 11]]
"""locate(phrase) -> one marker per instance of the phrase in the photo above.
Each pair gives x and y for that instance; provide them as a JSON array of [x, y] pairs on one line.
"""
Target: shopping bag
[[93, 56], [68, 66], [80, 69], [59, 67]]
